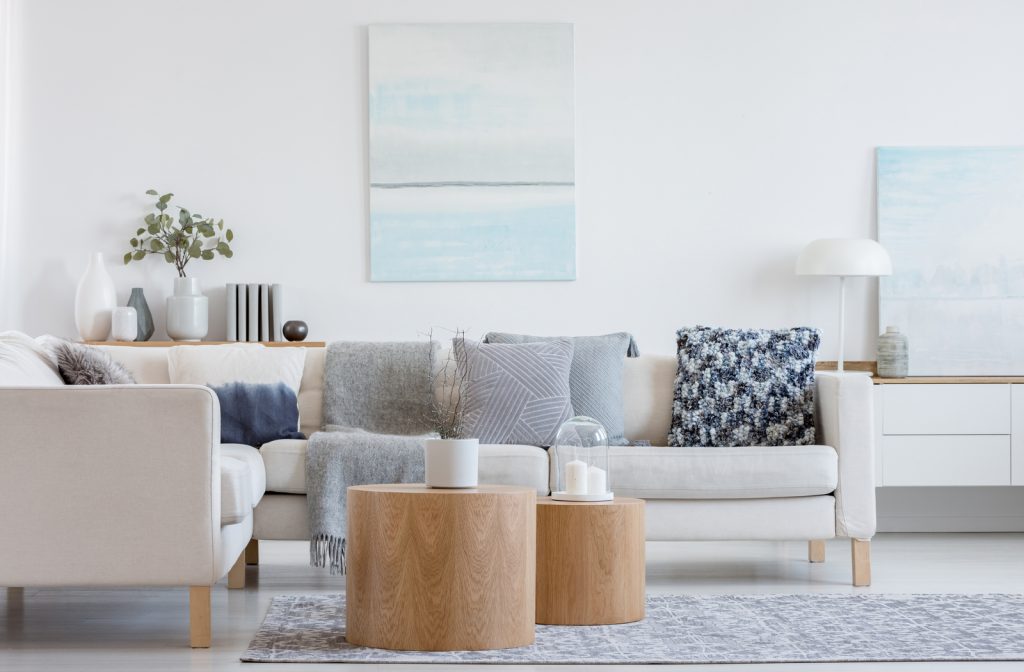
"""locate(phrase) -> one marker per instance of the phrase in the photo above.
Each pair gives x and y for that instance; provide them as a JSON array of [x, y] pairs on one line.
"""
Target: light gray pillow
[[384, 388], [515, 393], [80, 364], [595, 379]]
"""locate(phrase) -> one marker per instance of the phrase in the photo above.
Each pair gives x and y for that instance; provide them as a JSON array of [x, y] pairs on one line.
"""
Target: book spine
[[231, 311], [242, 316], [277, 312], [254, 312], [265, 313]]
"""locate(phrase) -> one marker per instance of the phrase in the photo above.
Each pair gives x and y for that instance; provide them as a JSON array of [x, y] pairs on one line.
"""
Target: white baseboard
[[966, 509]]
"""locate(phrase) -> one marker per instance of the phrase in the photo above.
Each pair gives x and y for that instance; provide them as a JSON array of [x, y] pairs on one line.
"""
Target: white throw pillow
[[221, 364], [25, 363]]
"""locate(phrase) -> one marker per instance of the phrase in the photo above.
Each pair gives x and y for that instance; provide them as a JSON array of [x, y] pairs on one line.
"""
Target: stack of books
[[254, 312]]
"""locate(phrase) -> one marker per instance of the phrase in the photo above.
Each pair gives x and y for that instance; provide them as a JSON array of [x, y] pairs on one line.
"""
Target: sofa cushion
[[80, 364], [744, 387], [235, 491], [253, 414], [252, 458], [25, 363], [723, 473], [514, 393], [595, 376], [502, 464]]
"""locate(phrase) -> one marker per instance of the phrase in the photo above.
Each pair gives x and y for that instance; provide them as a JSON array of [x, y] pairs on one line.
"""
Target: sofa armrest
[[845, 421], [109, 485]]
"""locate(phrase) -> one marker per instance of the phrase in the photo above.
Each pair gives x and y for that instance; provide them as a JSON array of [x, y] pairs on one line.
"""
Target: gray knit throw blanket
[[365, 443]]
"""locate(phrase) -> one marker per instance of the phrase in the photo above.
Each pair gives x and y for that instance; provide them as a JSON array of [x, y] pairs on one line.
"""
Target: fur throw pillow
[[80, 364]]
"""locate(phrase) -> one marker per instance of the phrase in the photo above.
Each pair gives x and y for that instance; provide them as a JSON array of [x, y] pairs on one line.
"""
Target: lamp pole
[[842, 320]]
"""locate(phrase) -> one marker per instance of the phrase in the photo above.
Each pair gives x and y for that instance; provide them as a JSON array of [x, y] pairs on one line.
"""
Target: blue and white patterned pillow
[[744, 387]]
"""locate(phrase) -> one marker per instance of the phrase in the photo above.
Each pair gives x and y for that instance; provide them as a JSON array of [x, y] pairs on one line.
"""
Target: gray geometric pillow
[[595, 379], [80, 364], [744, 387], [516, 394]]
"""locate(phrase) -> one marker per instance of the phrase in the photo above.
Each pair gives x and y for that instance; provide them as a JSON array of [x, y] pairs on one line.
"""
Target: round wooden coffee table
[[590, 562], [440, 570]]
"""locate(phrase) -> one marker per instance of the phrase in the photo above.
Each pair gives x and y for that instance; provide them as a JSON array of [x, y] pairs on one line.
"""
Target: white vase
[[452, 463], [124, 324], [188, 311], [95, 298]]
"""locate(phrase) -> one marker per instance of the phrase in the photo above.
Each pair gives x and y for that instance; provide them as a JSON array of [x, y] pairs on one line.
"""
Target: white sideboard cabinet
[[956, 432]]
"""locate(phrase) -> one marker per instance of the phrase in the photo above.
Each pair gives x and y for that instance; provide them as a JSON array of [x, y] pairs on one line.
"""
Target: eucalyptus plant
[[179, 239]]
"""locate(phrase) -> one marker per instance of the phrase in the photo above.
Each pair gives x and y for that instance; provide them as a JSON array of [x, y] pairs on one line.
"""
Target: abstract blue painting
[[472, 173], [952, 218]]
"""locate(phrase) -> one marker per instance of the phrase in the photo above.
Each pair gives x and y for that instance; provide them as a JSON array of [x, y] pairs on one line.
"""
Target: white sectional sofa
[[808, 493]]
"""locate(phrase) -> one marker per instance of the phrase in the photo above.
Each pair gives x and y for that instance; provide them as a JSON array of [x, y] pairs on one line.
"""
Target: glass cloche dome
[[581, 462]]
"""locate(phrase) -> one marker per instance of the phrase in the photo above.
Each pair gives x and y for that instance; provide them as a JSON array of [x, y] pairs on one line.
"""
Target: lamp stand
[[842, 320]]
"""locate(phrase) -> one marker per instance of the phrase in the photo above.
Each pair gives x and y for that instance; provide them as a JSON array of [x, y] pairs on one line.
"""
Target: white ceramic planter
[[124, 324], [188, 311], [452, 463]]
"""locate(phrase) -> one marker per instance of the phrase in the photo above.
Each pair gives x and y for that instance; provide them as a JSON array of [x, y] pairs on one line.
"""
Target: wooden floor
[[147, 630]]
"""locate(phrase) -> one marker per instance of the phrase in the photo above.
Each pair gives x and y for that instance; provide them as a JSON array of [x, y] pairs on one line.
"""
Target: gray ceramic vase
[[138, 301], [893, 356]]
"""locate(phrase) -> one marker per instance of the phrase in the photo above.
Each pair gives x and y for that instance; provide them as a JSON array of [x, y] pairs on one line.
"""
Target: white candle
[[576, 477], [597, 481]]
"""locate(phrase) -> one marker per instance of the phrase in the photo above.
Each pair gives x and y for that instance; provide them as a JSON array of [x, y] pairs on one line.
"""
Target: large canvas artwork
[[471, 152], [953, 221]]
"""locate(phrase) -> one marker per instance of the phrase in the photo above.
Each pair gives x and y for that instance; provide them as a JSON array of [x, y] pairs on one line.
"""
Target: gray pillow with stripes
[[595, 380], [515, 393]]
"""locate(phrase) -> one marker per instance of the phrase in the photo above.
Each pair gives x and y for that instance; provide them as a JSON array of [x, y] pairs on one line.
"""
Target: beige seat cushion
[[235, 491], [285, 460], [723, 473], [257, 472]]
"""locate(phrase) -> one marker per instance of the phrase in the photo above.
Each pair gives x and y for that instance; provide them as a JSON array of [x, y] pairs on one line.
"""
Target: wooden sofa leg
[[861, 549], [236, 575], [816, 550], [252, 552], [199, 616]]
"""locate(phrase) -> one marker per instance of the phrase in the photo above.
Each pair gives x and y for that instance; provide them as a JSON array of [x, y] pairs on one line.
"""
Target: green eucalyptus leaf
[[169, 257], [150, 218], [220, 225], [195, 251], [161, 206], [165, 220], [152, 192], [139, 254], [139, 232], [154, 228], [230, 236], [229, 254], [206, 230], [134, 242], [127, 257], [207, 254], [223, 248], [166, 197], [183, 216], [155, 245]]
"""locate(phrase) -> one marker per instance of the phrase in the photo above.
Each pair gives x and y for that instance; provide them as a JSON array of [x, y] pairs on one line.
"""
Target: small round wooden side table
[[441, 570], [590, 562]]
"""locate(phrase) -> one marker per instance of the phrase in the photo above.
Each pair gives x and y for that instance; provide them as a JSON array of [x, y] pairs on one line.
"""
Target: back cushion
[[647, 387]]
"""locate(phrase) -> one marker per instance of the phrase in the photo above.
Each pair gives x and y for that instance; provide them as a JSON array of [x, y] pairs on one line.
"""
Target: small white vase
[[124, 324], [188, 311], [452, 463], [95, 298]]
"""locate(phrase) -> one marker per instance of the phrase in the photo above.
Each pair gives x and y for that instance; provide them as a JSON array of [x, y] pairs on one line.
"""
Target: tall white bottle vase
[[188, 311], [95, 299]]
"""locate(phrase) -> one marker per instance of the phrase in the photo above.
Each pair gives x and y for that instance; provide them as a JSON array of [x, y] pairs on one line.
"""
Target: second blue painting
[[472, 173]]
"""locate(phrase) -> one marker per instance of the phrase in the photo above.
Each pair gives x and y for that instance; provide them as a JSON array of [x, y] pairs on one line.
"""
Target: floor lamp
[[843, 257]]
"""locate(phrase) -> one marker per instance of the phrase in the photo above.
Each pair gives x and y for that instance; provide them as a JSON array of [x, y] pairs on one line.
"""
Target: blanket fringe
[[326, 550]]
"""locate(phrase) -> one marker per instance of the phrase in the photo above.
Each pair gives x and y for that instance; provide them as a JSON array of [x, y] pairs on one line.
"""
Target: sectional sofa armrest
[[109, 485], [845, 420]]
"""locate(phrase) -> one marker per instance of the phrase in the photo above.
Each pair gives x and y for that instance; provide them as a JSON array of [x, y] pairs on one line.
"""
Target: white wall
[[714, 138]]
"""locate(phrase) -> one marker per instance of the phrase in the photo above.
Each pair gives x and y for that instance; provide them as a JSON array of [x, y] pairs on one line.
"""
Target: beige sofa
[[808, 493], [124, 485]]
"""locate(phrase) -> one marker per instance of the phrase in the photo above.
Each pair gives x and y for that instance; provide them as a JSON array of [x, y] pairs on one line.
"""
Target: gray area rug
[[698, 629]]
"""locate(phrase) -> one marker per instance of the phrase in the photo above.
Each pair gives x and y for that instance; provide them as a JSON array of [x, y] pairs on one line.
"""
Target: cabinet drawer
[[946, 409], [946, 460]]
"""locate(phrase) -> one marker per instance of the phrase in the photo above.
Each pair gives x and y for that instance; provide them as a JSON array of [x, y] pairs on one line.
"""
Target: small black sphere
[[295, 330]]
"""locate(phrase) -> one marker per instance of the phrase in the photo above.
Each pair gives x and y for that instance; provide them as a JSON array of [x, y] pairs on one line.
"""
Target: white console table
[[949, 431]]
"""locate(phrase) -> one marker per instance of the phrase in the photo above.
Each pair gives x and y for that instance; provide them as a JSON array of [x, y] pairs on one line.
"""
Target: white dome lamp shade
[[843, 257]]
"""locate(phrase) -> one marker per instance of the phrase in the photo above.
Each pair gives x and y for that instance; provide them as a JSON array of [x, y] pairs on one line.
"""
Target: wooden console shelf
[[170, 344], [869, 366]]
